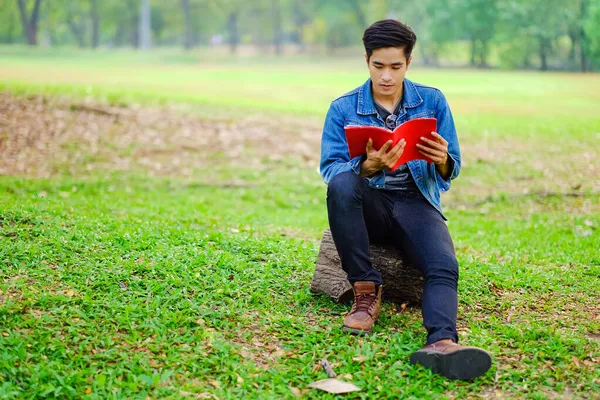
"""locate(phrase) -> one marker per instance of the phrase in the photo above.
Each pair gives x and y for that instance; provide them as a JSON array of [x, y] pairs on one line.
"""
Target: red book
[[358, 136]]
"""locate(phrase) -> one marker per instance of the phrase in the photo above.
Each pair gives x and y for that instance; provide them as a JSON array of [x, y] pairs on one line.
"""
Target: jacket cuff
[[444, 184], [355, 164]]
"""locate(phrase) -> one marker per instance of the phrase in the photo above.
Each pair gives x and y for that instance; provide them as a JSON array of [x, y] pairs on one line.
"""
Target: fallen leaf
[[239, 378], [215, 383], [334, 386], [88, 390], [359, 359], [295, 391], [70, 293]]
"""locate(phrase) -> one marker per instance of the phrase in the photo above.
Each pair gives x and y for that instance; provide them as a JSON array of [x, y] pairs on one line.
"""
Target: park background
[[160, 209]]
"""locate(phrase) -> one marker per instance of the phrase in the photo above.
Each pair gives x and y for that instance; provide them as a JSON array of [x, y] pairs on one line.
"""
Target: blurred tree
[[277, 31], [75, 16], [8, 21], [302, 15], [532, 26], [187, 18], [145, 25], [30, 21], [476, 21], [590, 33], [232, 9], [95, 17]]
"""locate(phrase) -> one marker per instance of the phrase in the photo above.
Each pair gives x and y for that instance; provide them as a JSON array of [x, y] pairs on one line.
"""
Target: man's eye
[[378, 67]]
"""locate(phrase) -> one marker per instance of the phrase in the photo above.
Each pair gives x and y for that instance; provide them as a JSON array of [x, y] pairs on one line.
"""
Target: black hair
[[389, 33]]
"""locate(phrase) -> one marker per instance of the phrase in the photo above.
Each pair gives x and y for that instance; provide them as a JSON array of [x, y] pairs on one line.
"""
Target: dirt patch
[[43, 137], [49, 136]]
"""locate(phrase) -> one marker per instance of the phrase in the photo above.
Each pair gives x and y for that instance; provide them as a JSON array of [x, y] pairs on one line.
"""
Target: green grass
[[299, 85], [123, 285]]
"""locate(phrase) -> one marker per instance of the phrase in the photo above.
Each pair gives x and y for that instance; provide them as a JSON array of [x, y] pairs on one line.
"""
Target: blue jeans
[[360, 215]]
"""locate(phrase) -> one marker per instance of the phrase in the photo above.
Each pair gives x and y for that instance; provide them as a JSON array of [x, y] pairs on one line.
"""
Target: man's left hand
[[436, 151]]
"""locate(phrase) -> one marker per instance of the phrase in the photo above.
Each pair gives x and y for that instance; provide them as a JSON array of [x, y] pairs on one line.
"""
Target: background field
[[160, 217]]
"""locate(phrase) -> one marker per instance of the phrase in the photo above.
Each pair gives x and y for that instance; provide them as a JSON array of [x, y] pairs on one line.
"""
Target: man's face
[[387, 67]]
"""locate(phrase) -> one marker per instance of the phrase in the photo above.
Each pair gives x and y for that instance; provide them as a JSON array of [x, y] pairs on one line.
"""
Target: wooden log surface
[[402, 282]]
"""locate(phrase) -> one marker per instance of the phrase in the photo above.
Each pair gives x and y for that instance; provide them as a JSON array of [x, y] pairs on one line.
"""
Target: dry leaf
[[334, 386], [70, 293], [215, 383], [359, 359], [88, 390], [295, 391], [239, 378]]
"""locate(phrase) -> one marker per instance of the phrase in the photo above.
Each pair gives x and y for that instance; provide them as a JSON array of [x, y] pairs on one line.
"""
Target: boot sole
[[465, 364], [357, 332]]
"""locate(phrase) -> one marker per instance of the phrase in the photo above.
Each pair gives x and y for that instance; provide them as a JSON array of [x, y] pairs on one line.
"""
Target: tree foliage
[[545, 34]]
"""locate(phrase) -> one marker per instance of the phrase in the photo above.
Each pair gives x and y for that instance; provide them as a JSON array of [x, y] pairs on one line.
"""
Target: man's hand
[[437, 151], [381, 159]]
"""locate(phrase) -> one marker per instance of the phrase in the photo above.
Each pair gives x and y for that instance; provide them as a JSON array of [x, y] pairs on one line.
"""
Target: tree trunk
[[11, 28], [483, 54], [95, 23], [572, 53], [543, 55], [582, 15], [358, 12], [144, 29], [232, 26], [402, 282], [299, 21], [187, 18], [30, 23], [277, 33], [77, 31], [473, 51]]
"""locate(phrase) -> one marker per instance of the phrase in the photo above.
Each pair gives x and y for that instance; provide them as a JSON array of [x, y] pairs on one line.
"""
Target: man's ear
[[367, 58], [408, 62]]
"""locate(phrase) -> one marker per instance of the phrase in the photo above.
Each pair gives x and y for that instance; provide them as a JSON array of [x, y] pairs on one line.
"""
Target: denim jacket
[[357, 108]]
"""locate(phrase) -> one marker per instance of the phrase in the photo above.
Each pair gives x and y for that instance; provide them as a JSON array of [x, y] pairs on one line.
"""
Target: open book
[[358, 136]]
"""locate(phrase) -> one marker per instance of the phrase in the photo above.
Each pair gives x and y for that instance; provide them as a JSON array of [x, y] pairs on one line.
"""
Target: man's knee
[[344, 187], [444, 270]]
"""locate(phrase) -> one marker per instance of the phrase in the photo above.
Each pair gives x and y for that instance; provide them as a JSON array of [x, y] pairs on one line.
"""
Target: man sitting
[[369, 203]]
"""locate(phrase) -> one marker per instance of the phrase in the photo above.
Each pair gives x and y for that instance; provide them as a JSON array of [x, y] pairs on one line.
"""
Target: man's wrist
[[445, 169], [367, 168]]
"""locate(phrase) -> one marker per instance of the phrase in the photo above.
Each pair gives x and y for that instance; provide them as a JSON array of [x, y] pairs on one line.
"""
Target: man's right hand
[[381, 159]]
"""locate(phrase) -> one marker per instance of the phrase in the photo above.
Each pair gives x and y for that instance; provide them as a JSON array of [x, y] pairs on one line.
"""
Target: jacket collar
[[366, 105]]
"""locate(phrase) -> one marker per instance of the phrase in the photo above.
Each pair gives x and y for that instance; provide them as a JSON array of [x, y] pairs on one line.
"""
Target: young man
[[369, 203]]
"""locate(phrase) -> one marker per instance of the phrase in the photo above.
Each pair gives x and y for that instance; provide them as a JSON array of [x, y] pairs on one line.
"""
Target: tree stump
[[402, 282]]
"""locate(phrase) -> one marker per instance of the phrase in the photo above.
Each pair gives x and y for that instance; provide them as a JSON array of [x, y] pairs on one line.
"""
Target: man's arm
[[445, 150], [335, 157]]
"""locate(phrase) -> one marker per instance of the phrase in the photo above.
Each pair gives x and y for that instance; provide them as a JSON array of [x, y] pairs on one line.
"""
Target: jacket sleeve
[[335, 157], [446, 128]]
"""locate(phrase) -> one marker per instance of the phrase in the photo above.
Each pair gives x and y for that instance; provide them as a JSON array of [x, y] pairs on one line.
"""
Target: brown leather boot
[[453, 360], [365, 310]]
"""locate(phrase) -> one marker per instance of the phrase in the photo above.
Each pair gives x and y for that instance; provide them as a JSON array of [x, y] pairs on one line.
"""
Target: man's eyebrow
[[394, 63]]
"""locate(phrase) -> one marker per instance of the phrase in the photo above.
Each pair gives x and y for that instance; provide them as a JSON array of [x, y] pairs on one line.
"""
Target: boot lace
[[364, 302]]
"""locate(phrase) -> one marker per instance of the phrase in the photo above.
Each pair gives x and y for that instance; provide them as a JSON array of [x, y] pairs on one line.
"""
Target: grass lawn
[[143, 254]]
